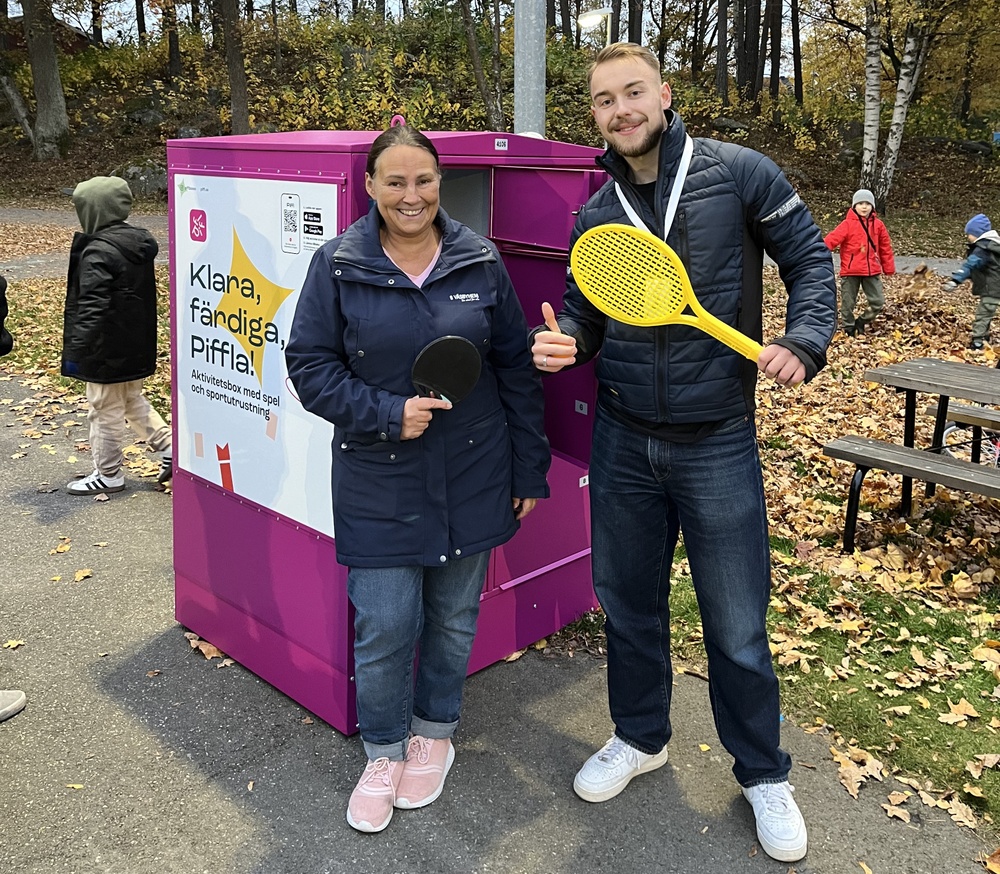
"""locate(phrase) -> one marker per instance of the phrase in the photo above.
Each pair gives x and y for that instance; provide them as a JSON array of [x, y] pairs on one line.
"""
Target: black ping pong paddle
[[447, 368]]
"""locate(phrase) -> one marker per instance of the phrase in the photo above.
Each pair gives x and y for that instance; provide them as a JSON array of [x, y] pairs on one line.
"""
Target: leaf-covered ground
[[955, 558], [909, 622], [18, 240]]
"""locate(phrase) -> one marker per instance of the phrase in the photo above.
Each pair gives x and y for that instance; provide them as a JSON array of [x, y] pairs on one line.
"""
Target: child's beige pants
[[112, 406]]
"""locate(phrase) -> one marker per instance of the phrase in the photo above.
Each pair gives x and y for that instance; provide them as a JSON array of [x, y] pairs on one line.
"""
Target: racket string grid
[[632, 279]]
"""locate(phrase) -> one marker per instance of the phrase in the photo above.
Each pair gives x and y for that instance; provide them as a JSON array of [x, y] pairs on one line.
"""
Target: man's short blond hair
[[623, 50]]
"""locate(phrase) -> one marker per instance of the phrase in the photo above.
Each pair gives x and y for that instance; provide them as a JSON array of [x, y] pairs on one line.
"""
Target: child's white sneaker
[[96, 484], [166, 466]]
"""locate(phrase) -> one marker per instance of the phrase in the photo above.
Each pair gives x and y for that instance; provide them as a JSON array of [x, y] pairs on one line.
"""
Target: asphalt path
[[136, 754], [54, 264]]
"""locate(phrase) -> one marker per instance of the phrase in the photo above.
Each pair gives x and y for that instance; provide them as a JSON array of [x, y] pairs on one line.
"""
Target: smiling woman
[[423, 488]]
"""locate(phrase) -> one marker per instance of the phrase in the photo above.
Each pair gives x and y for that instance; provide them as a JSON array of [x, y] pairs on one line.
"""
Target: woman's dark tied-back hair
[[400, 135]]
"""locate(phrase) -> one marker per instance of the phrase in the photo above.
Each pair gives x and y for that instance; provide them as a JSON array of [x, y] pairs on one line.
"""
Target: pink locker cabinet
[[254, 546]]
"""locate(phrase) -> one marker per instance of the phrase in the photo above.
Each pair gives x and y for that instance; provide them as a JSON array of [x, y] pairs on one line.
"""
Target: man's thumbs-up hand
[[552, 350]]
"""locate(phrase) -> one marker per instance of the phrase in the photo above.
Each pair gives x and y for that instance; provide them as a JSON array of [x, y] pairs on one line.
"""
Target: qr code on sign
[[290, 220]]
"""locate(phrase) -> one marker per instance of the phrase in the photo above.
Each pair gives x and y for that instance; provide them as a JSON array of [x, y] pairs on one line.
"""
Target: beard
[[644, 146]]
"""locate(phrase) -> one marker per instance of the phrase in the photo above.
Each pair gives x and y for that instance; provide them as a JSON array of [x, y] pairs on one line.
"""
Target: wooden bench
[[975, 417], [920, 464], [970, 414]]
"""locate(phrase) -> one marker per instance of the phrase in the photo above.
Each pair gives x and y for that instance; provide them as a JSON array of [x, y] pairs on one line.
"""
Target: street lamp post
[[529, 66], [593, 18]]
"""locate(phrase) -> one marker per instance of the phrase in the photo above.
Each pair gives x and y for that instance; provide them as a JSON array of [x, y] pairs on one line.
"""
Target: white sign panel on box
[[241, 251]]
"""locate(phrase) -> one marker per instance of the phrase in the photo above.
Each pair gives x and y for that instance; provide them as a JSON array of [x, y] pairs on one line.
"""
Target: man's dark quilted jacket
[[736, 204]]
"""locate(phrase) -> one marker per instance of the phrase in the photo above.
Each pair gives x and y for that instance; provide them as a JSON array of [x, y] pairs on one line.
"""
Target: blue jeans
[[643, 492], [395, 608]]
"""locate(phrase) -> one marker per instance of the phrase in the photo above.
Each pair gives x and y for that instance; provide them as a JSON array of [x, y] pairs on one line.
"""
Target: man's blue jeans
[[643, 492], [394, 609]]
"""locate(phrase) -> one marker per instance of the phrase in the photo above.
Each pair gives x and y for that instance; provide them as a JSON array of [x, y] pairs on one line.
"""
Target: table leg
[[936, 444], [909, 430]]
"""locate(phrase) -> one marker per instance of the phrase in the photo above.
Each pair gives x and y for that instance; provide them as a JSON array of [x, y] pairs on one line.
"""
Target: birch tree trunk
[[916, 48], [873, 94]]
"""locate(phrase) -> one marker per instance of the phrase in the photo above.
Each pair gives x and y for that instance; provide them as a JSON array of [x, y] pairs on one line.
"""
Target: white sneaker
[[12, 701], [780, 827], [95, 484], [606, 773]]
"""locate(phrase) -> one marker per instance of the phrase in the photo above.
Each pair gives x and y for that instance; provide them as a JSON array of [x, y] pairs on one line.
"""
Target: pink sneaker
[[370, 807], [428, 761]]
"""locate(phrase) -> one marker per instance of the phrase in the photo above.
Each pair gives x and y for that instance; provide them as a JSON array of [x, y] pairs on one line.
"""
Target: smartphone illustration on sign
[[291, 226]]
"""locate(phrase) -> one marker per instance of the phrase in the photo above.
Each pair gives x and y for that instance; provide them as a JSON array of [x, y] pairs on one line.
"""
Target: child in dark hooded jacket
[[865, 254], [109, 330]]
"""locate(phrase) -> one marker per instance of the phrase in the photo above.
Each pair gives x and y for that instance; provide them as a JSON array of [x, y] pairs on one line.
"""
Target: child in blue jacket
[[982, 266]]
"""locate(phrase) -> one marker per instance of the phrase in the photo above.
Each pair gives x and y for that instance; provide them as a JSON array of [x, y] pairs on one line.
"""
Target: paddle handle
[[730, 336]]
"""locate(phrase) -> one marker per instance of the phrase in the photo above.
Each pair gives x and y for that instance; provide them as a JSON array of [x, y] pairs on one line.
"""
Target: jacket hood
[[990, 236], [101, 201]]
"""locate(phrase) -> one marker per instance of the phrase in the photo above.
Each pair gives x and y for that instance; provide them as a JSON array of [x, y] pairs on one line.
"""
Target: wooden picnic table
[[946, 380]]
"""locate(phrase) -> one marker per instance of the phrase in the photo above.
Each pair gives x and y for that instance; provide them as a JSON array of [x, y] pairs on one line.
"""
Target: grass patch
[[886, 692]]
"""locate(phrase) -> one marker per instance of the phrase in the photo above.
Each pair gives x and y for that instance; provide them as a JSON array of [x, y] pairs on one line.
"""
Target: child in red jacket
[[865, 254]]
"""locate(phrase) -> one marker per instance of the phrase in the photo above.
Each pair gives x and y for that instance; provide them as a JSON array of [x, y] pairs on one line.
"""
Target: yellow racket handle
[[727, 334]]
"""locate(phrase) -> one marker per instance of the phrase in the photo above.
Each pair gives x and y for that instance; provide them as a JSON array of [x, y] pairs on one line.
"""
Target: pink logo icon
[[198, 225]]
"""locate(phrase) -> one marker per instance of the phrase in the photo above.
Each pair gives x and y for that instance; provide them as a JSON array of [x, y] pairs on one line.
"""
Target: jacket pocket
[[366, 478]]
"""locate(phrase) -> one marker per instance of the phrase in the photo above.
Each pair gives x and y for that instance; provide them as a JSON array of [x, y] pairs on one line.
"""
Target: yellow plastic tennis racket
[[636, 278]]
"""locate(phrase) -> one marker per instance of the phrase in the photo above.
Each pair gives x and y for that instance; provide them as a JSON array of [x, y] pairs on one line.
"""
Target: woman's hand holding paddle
[[417, 414]]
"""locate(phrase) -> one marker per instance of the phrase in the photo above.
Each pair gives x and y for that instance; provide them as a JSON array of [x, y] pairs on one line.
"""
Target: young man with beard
[[674, 446]]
